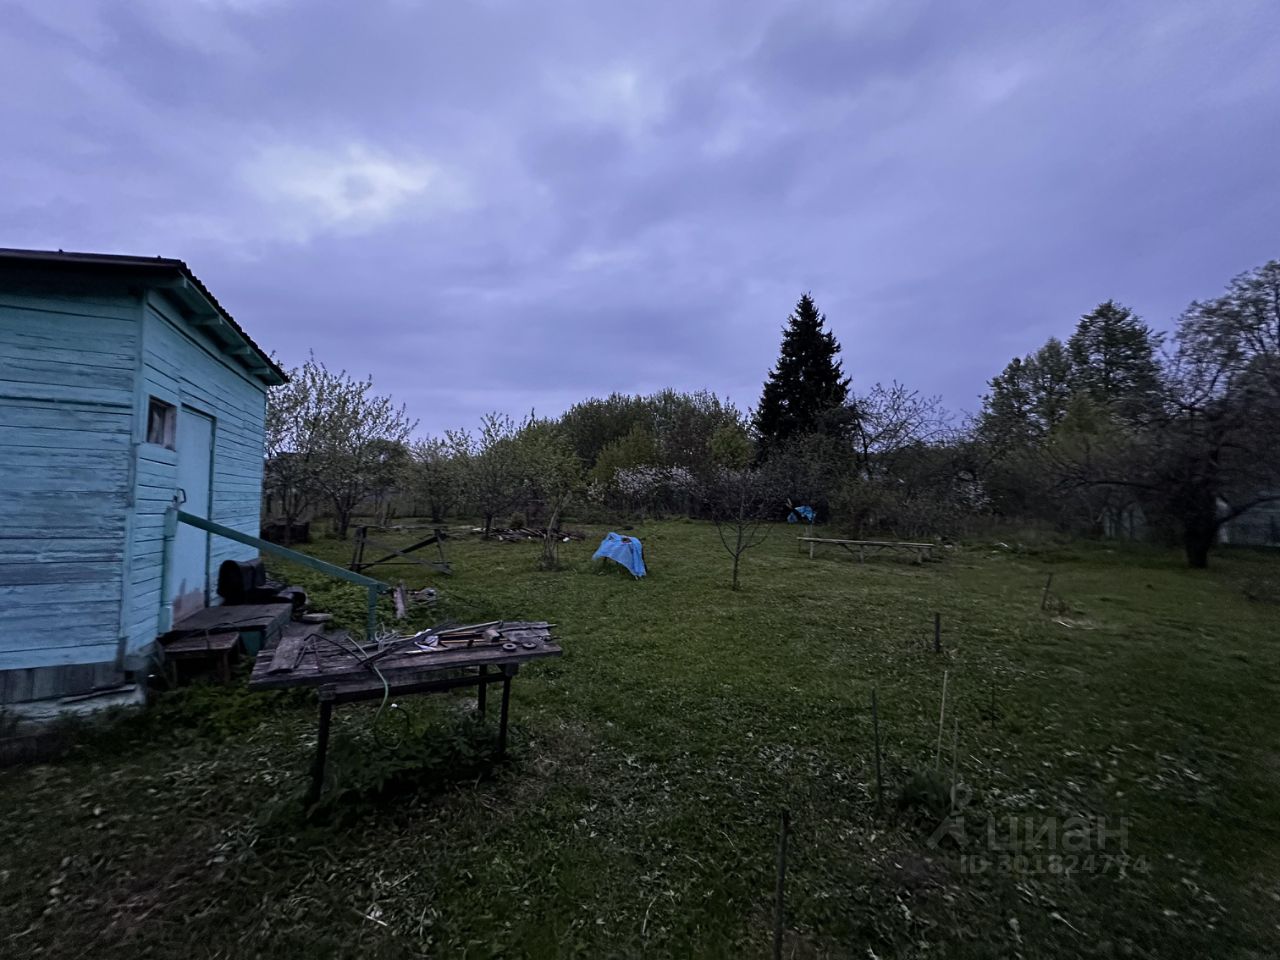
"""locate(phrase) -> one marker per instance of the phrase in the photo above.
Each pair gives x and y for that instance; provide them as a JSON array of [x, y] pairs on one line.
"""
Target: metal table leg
[[502, 722], [482, 693], [322, 747]]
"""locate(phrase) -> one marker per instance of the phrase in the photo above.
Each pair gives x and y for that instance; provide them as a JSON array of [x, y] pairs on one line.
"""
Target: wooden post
[[371, 618], [937, 633], [784, 828], [875, 723], [942, 714], [357, 550], [1044, 599], [482, 689], [811, 546]]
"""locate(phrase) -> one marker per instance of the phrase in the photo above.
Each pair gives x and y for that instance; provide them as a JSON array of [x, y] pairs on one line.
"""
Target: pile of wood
[[535, 533]]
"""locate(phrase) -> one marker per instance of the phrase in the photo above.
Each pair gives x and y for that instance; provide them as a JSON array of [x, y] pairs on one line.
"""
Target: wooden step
[[257, 624]]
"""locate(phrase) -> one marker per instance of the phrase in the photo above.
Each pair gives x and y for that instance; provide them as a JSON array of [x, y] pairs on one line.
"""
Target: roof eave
[[207, 315]]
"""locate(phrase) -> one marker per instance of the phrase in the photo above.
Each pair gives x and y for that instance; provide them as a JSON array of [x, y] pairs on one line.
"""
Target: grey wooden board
[[268, 617], [41, 683], [326, 662], [199, 644]]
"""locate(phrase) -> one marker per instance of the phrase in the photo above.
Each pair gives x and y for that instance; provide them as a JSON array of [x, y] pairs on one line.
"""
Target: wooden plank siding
[[83, 494], [68, 366], [181, 366]]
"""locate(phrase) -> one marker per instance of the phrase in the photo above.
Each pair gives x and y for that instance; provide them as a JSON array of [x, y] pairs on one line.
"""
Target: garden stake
[[942, 713], [783, 829], [875, 722], [955, 758], [1044, 600], [937, 633]]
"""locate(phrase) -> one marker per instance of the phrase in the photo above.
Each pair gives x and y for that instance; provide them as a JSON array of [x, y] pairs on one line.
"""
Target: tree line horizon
[[1110, 421]]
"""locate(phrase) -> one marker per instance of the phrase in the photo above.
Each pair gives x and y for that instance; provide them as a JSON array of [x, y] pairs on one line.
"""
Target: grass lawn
[[1135, 734]]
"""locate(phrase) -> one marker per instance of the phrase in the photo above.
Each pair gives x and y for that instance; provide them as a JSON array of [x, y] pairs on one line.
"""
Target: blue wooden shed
[[125, 388]]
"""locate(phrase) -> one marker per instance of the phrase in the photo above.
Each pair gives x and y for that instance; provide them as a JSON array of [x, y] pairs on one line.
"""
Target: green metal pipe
[[374, 587]]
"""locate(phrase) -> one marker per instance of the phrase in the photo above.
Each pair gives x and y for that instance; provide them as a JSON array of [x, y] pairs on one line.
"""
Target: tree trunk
[[488, 525], [341, 521], [736, 558], [551, 542], [1200, 531], [1198, 541]]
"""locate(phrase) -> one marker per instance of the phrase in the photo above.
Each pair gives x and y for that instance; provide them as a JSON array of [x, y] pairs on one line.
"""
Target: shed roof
[[182, 282]]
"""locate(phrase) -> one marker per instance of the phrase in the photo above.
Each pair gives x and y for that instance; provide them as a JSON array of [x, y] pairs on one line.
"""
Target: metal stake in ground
[[937, 633], [875, 723], [784, 828], [1044, 599]]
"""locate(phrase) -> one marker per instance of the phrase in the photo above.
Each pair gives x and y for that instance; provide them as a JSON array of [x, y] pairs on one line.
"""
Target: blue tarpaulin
[[624, 550], [800, 514]]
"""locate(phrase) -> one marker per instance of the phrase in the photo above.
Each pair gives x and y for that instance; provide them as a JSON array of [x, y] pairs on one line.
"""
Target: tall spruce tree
[[1113, 356], [807, 384]]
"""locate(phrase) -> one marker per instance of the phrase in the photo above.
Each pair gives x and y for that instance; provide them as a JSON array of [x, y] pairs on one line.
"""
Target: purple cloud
[[499, 205]]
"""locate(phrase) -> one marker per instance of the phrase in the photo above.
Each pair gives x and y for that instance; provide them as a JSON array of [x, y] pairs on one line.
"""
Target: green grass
[[638, 816]]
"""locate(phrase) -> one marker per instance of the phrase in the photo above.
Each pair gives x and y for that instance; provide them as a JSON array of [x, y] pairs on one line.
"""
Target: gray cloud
[[508, 205]]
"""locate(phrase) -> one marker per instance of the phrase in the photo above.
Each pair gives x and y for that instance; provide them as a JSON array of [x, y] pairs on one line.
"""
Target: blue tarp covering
[[800, 514], [624, 550]]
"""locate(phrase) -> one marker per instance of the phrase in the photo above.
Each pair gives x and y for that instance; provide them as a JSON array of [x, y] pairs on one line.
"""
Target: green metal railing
[[173, 517]]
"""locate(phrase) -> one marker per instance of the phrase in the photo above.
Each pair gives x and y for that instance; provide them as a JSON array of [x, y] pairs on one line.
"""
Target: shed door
[[189, 574]]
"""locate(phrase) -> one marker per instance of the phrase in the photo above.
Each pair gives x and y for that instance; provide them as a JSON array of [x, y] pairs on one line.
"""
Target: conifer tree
[[806, 384], [1113, 356]]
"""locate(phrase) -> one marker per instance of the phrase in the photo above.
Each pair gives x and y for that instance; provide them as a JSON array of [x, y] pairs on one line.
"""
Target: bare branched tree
[[891, 420], [741, 502]]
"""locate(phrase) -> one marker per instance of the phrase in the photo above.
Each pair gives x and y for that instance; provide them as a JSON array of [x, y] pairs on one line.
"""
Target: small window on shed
[[162, 423]]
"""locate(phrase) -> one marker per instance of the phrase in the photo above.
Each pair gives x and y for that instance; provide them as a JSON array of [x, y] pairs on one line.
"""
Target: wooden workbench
[[330, 662]]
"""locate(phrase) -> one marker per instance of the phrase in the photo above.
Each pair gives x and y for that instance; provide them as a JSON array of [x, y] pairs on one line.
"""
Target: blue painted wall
[[181, 366], [82, 494], [68, 364]]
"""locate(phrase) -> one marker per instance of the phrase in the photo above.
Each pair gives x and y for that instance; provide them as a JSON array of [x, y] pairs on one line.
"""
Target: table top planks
[[307, 656]]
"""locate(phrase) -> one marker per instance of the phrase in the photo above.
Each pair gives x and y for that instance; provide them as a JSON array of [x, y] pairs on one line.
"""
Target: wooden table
[[332, 664], [923, 551]]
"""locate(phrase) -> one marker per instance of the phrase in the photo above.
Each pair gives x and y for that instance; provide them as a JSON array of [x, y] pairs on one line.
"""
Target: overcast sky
[[503, 204]]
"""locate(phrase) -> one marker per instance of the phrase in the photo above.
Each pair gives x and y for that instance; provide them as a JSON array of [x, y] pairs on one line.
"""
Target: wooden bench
[[215, 648], [923, 551]]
